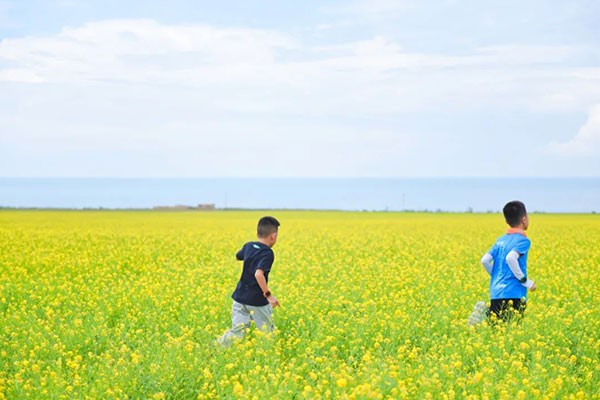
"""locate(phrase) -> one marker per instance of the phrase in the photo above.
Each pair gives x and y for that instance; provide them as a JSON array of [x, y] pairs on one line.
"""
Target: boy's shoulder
[[503, 238], [258, 246], [507, 238], [514, 235], [518, 240], [519, 236]]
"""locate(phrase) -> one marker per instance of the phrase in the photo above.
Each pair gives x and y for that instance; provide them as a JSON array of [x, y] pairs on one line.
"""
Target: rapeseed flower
[[127, 305]]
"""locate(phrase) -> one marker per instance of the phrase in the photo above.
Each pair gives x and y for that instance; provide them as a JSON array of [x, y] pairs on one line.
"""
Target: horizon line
[[308, 177]]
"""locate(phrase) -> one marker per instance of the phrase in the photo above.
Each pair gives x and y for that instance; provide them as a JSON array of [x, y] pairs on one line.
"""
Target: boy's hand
[[530, 285], [273, 300]]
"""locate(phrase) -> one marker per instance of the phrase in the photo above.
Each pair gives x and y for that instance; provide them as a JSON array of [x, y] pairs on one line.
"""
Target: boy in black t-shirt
[[252, 299]]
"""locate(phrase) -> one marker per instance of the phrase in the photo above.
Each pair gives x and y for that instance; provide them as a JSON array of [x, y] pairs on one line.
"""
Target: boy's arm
[[262, 282], [512, 259], [486, 261], [240, 254]]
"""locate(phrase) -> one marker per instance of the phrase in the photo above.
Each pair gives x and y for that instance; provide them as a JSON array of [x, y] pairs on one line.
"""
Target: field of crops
[[128, 305]]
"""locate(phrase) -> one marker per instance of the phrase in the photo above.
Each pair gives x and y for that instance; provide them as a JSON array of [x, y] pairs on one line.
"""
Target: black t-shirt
[[255, 255]]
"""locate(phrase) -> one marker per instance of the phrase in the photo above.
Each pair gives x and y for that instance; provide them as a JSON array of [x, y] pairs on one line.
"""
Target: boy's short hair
[[266, 226], [514, 211]]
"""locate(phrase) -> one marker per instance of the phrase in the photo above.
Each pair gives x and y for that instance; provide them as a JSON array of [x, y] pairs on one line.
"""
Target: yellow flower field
[[128, 305]]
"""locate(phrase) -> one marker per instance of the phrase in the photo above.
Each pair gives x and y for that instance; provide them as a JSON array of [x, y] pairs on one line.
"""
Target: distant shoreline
[[570, 196], [166, 209]]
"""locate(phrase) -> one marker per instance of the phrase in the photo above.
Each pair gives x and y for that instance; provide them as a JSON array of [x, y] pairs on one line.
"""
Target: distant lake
[[571, 195]]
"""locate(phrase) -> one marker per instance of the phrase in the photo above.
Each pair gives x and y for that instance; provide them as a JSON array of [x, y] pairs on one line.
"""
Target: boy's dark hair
[[266, 226], [514, 211]]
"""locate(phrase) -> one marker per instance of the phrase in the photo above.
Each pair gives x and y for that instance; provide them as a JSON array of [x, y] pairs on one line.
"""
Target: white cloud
[[121, 49], [19, 75], [139, 50], [188, 94], [269, 70], [587, 140]]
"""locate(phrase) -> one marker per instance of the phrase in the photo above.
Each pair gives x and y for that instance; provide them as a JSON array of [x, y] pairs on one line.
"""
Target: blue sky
[[319, 89]]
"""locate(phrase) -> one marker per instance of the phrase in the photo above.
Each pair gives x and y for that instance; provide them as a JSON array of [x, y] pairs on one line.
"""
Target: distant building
[[182, 207]]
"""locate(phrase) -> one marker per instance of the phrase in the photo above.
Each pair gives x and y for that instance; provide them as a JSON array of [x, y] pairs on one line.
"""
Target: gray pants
[[242, 315]]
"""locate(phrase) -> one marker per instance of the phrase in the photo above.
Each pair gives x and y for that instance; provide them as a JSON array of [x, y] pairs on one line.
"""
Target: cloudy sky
[[270, 88]]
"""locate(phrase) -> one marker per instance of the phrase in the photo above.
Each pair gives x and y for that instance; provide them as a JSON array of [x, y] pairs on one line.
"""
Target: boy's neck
[[517, 229], [264, 241]]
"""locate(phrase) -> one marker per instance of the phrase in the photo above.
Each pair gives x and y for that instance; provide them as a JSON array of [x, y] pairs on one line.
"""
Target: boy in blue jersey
[[252, 299], [506, 262]]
